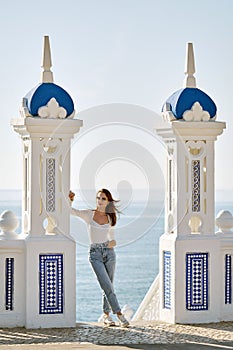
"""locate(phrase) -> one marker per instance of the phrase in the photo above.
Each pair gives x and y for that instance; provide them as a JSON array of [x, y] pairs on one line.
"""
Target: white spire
[[190, 80], [47, 74]]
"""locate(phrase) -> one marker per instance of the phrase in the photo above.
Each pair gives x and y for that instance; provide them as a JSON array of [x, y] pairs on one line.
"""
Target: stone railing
[[149, 308]]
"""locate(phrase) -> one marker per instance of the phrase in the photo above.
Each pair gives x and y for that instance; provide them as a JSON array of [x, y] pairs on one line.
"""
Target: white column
[[184, 245], [48, 172], [50, 255]]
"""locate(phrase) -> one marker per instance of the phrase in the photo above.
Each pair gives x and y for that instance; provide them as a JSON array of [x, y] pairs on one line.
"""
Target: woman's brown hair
[[110, 209]]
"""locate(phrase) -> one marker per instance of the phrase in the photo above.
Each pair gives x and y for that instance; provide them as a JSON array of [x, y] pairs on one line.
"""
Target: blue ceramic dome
[[42, 94], [183, 100]]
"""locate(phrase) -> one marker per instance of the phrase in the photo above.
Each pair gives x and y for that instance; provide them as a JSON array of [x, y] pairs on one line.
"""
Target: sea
[[139, 227]]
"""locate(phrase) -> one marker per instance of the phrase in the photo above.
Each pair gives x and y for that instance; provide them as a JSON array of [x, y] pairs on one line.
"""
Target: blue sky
[[125, 51]]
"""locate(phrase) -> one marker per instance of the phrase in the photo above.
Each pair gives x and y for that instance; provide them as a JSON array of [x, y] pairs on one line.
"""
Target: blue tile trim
[[228, 279], [50, 184], [197, 281], [9, 284], [196, 183], [167, 279], [51, 283]]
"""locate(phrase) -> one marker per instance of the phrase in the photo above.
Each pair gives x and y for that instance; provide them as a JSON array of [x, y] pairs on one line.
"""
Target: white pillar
[[46, 172], [189, 244], [47, 183], [46, 128], [195, 272]]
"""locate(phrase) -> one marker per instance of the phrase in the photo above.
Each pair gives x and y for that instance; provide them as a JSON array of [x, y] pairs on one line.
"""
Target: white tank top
[[97, 233]]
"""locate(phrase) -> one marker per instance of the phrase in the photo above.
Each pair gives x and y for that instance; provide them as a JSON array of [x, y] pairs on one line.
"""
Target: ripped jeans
[[103, 262]]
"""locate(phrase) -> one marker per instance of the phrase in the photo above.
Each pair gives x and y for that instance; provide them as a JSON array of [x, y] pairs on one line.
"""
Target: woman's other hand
[[71, 196], [112, 243]]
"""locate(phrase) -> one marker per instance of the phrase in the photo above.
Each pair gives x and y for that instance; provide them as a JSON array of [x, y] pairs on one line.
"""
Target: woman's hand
[[71, 196], [112, 243]]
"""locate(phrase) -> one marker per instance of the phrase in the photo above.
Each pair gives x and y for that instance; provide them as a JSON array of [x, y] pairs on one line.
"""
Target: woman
[[102, 257]]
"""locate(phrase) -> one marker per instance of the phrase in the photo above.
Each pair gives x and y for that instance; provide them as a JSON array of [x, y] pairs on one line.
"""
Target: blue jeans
[[103, 261]]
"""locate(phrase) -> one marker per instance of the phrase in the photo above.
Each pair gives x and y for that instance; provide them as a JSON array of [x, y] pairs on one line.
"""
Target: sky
[[128, 54]]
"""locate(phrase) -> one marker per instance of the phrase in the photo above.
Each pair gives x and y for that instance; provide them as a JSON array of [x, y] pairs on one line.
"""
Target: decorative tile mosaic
[[197, 281], [195, 185], [167, 279], [228, 280], [51, 283], [50, 184], [9, 284]]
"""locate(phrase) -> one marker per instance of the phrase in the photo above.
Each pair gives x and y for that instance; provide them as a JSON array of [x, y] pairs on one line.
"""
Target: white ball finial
[[224, 221], [8, 224]]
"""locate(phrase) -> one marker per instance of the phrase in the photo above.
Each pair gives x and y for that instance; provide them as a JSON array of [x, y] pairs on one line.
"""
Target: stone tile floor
[[137, 333]]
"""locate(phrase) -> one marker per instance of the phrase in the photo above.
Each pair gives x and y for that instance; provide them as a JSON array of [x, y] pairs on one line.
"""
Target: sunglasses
[[103, 198]]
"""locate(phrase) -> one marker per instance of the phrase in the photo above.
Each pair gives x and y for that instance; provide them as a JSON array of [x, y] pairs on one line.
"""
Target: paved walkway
[[115, 347], [146, 335]]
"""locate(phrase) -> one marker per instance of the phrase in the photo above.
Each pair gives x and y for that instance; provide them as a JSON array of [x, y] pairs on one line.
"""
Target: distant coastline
[[222, 196]]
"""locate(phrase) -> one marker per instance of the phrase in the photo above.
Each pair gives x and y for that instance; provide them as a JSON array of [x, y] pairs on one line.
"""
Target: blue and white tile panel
[[167, 279], [9, 284], [197, 281], [196, 186], [50, 184], [51, 283], [228, 279]]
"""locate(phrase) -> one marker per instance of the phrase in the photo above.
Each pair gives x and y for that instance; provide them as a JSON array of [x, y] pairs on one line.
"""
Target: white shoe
[[108, 321], [122, 320]]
